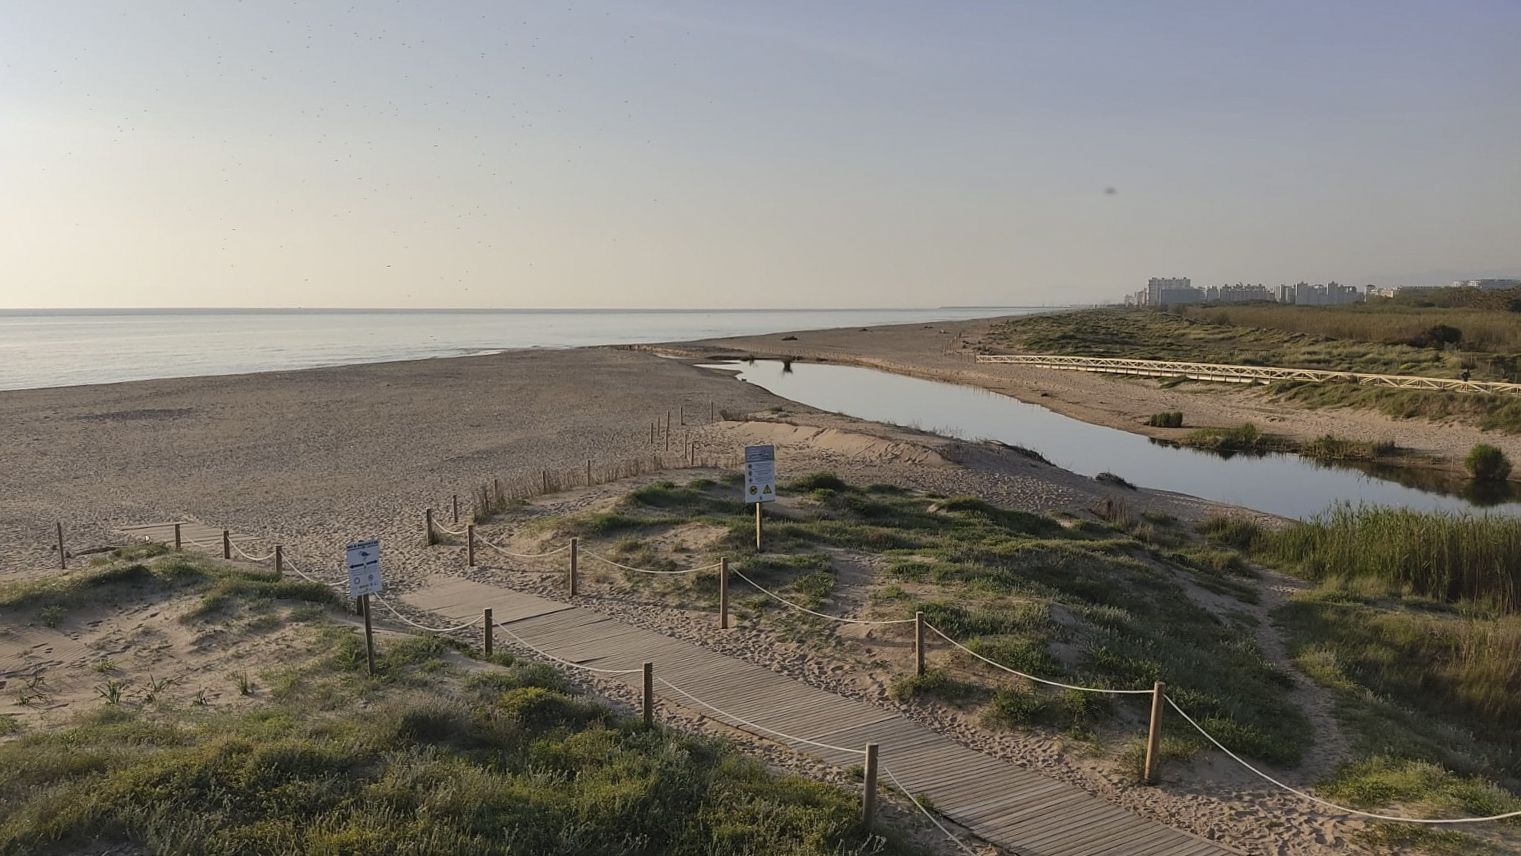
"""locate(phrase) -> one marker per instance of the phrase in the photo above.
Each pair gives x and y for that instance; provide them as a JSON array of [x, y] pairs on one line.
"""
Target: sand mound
[[834, 441]]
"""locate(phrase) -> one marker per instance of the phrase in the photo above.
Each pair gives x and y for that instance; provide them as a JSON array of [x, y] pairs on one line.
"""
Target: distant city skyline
[[733, 155]]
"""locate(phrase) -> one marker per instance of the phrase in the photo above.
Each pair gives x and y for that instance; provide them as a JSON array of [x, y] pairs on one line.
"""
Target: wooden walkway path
[[1241, 374], [1021, 811]]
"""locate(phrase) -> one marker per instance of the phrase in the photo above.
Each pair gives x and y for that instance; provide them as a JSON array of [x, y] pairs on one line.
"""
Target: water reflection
[[1282, 484]]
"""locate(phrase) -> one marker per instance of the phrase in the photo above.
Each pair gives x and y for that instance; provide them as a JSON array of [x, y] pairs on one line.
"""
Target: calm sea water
[[43, 348]]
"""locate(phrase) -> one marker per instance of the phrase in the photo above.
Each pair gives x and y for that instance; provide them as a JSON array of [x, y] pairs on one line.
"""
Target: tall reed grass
[[1452, 557]]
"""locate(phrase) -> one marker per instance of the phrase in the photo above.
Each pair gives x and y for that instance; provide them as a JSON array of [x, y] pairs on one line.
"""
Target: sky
[[757, 154]]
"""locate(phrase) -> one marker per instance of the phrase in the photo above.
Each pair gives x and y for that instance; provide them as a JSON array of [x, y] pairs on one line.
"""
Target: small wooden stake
[[723, 593], [544, 480], [456, 510], [279, 561], [869, 798], [179, 544], [668, 430], [369, 634], [652, 433], [575, 549], [919, 644], [226, 544], [487, 626], [498, 484], [588, 472], [1154, 735], [649, 694], [470, 546], [712, 410], [757, 527], [63, 558], [428, 527]]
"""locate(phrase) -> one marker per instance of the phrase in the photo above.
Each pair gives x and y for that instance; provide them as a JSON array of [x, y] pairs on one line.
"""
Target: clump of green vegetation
[[1242, 438], [934, 683], [1112, 479], [1329, 447], [1450, 557], [1166, 419], [1487, 463], [1487, 411]]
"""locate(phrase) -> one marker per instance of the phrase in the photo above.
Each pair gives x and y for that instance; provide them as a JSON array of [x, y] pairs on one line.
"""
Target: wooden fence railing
[[1242, 374]]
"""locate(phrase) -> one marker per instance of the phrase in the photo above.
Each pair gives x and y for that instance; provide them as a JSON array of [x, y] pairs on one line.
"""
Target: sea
[[49, 347]]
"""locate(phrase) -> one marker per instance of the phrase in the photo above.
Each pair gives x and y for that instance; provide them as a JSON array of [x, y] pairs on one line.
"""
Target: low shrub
[[1487, 463], [1166, 419]]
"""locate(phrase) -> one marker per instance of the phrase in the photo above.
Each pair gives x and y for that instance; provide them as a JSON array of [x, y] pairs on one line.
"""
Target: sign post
[[362, 559], [760, 481]]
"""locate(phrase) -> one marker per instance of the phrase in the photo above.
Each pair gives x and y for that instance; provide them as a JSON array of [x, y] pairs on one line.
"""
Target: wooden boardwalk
[[1241, 374], [1021, 811]]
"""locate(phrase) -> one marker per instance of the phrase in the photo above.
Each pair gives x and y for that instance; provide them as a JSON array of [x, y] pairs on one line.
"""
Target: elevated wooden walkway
[[1241, 374], [1019, 810]]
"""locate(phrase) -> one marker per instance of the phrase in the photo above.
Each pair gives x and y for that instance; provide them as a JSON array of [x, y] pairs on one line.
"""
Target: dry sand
[[942, 351]]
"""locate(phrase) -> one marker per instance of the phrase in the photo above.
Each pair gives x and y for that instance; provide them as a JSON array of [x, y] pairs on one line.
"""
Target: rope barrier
[[526, 644], [447, 531], [749, 724], [774, 596], [377, 598], [649, 570], [245, 555], [1045, 681], [513, 555], [1341, 808], [303, 575], [927, 813]]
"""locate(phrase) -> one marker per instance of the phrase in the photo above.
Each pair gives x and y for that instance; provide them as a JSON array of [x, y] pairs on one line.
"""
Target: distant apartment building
[[1238, 293], [1173, 291], [1330, 294]]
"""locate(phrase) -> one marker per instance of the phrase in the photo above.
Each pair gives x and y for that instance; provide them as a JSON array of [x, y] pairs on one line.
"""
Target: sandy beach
[[314, 459]]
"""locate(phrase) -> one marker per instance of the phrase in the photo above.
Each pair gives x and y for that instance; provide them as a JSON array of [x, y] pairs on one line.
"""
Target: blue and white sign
[[363, 560], [760, 474]]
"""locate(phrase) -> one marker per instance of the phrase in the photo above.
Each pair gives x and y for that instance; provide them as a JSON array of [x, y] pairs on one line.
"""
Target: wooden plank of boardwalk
[[1020, 810]]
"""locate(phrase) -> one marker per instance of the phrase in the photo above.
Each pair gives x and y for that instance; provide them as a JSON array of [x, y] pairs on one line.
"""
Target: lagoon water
[[1287, 485], [43, 348]]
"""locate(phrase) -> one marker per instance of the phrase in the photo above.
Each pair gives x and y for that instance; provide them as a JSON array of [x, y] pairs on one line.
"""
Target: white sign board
[[363, 561], [760, 474]]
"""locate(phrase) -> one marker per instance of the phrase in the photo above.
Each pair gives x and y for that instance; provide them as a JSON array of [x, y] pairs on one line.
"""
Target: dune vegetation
[[436, 753]]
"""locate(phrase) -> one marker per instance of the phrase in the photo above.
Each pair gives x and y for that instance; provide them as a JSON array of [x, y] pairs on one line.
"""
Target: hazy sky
[[641, 153]]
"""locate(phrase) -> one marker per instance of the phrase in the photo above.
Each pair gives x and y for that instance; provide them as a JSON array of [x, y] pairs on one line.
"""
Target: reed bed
[[1451, 557]]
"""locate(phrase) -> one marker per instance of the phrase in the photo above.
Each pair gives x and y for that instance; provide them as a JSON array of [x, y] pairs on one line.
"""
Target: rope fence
[[505, 552], [1029, 677], [606, 560], [748, 724], [927, 813]]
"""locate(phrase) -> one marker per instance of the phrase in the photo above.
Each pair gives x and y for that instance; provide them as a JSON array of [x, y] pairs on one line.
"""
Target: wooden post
[[1154, 735], [919, 644], [428, 527], [456, 510], [668, 430], [498, 484], [63, 558], [279, 561], [226, 544], [869, 798], [712, 412], [652, 433], [544, 480], [179, 543], [575, 549], [369, 635], [649, 694], [470, 546], [723, 593], [487, 626], [757, 527], [588, 472]]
